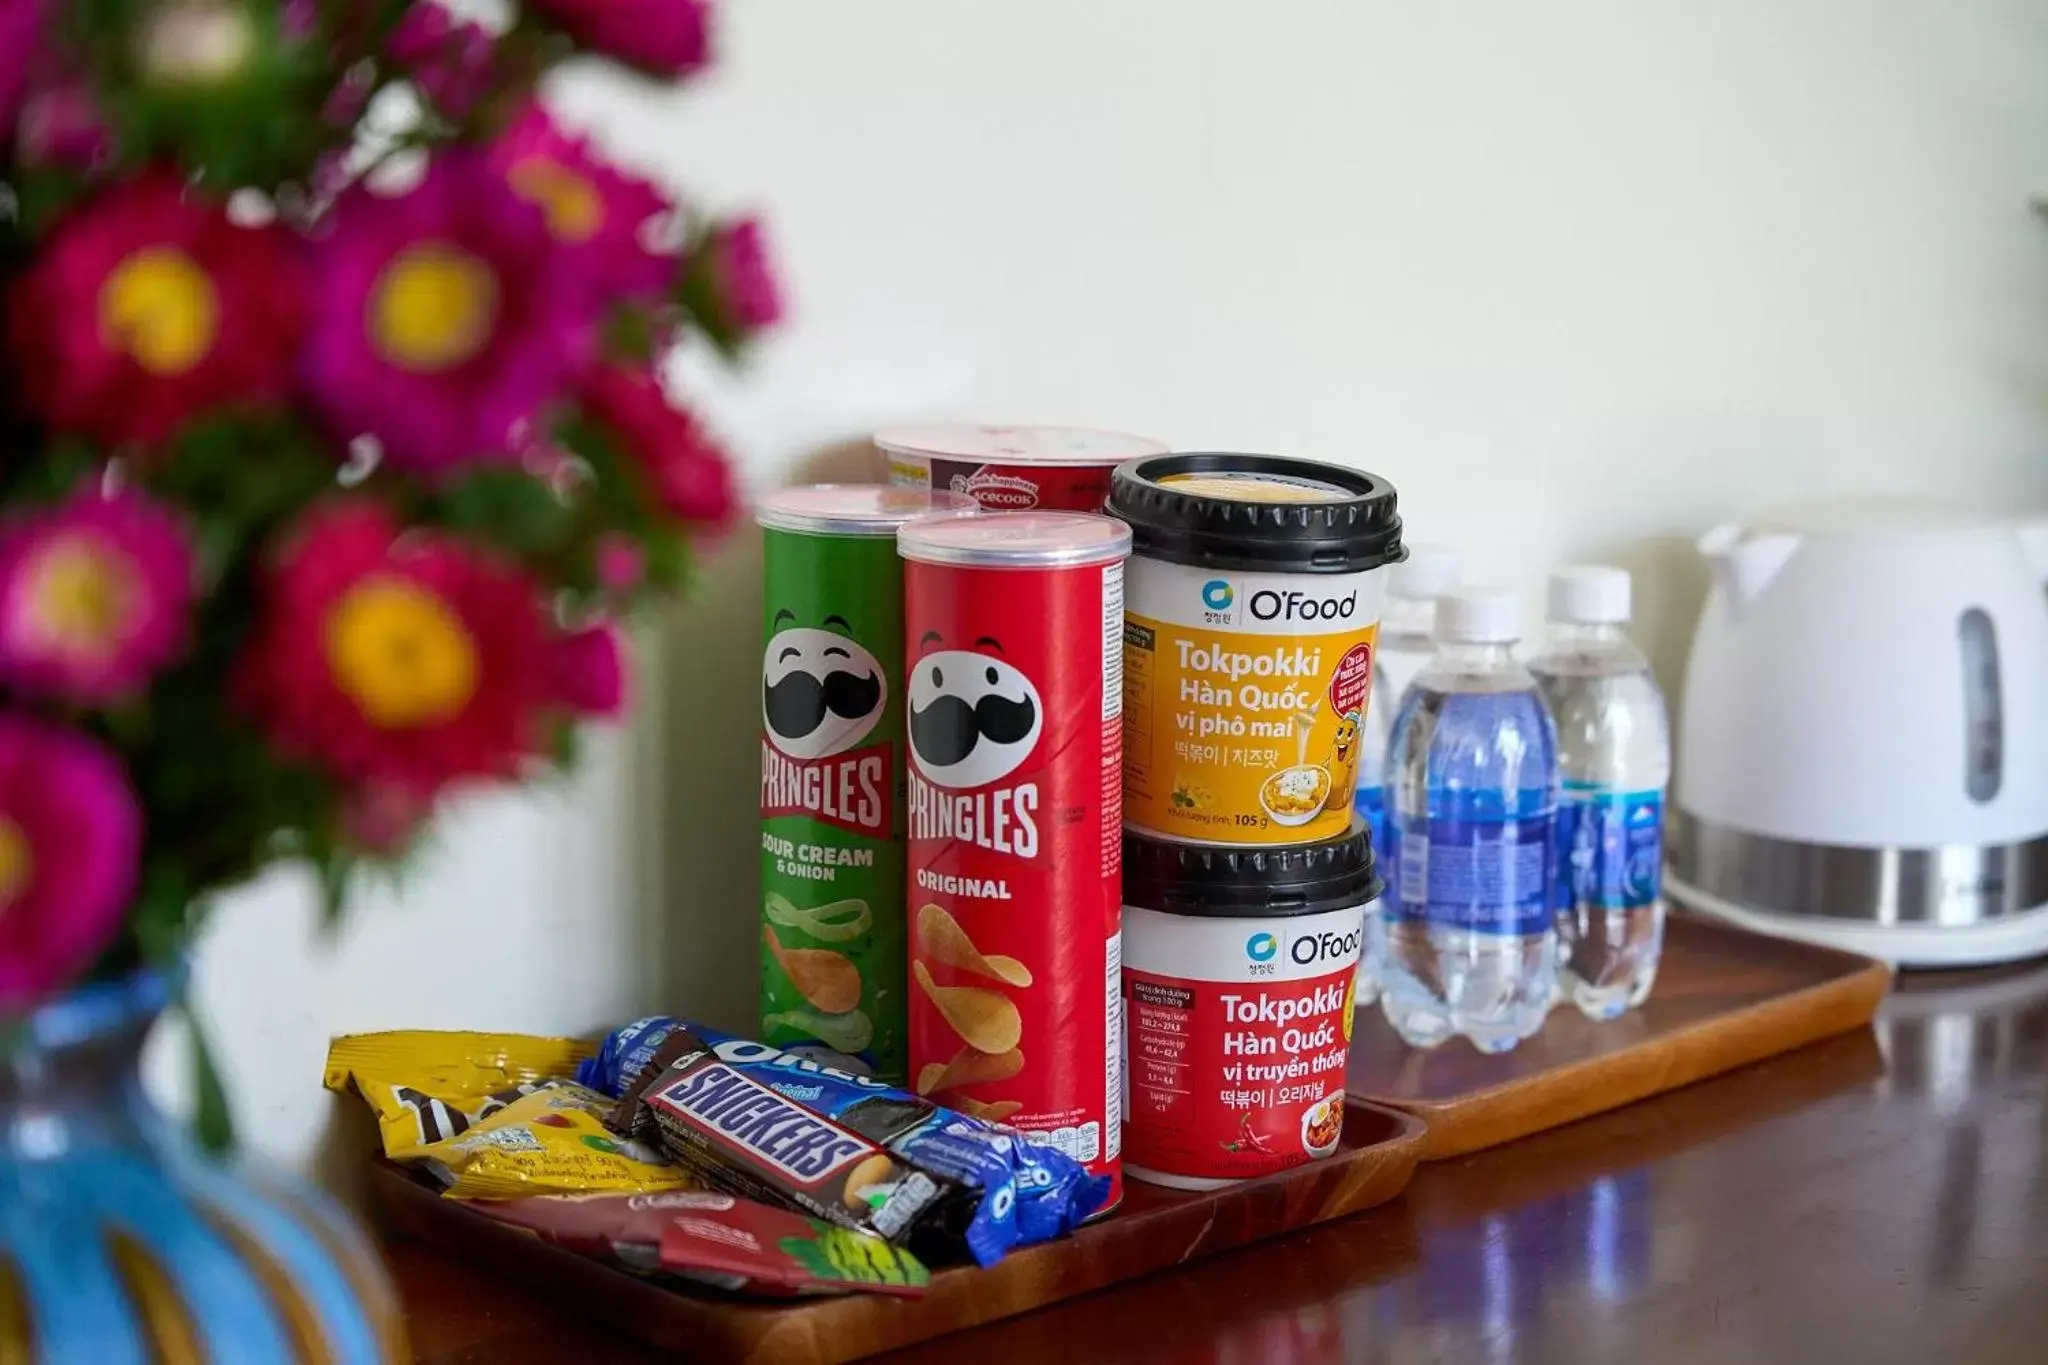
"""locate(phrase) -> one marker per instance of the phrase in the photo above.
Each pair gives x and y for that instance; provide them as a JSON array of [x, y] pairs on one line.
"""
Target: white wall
[[1581, 277]]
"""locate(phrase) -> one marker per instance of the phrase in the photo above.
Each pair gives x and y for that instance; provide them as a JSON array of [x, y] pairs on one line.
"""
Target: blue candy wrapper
[[754, 1120]]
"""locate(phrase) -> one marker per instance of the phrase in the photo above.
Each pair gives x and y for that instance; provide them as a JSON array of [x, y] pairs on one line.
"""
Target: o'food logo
[[1217, 594], [1261, 947]]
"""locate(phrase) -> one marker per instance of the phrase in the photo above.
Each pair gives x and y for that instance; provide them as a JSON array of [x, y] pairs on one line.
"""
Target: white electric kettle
[[1863, 744]]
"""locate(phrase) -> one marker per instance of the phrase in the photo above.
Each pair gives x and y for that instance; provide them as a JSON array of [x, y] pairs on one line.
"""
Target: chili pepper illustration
[[1248, 1139]]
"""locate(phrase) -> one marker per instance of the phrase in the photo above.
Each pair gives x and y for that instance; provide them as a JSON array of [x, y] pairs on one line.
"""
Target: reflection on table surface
[[1879, 1197]]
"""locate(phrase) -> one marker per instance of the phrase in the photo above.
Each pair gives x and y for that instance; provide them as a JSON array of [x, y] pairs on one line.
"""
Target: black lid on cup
[[1257, 513], [1247, 881]]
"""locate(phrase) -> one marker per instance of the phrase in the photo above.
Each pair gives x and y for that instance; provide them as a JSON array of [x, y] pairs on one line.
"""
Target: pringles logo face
[[974, 721], [822, 693]]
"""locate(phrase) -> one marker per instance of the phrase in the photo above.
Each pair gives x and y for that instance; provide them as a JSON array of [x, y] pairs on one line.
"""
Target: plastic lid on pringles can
[[855, 509], [1016, 540], [1257, 512]]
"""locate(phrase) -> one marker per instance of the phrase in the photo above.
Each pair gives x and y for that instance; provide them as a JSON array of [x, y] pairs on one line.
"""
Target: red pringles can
[[1014, 629]]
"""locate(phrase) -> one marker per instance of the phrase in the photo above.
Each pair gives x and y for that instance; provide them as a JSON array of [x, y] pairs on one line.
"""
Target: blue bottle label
[[1483, 871], [1371, 805], [1610, 847]]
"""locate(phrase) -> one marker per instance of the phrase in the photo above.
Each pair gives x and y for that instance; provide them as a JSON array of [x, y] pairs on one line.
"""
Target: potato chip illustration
[[827, 979], [988, 1112], [945, 941], [969, 1067], [983, 1019], [849, 1033]]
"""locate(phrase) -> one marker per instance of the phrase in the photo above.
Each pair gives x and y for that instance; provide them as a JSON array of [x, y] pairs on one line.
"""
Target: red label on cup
[[1351, 681], [1239, 1034]]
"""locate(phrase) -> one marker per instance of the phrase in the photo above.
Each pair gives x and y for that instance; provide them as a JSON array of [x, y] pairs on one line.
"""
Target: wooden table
[[1881, 1197]]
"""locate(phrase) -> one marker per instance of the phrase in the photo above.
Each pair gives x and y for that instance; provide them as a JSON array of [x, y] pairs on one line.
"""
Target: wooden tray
[[1724, 998], [1154, 1229]]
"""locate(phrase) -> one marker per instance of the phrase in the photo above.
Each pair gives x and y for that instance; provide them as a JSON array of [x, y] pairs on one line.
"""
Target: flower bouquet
[[332, 447]]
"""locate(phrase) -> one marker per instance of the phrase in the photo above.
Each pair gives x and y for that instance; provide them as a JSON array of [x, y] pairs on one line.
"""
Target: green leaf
[[337, 875], [213, 1125], [512, 510]]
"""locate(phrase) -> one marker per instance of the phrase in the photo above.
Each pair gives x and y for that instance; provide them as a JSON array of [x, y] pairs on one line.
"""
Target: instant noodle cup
[[1238, 990], [1012, 469], [1014, 624], [1249, 634], [832, 933]]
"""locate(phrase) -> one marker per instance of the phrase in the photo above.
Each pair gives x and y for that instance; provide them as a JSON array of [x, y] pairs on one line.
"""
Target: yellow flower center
[[160, 307], [574, 208], [433, 307], [80, 598], [17, 865], [401, 654]]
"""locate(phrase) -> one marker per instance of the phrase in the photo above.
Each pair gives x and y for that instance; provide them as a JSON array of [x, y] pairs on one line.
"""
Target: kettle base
[[2006, 939]]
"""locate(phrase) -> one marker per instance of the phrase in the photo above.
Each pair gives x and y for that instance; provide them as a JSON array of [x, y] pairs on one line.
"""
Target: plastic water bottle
[[1407, 624], [1472, 804], [1614, 756]]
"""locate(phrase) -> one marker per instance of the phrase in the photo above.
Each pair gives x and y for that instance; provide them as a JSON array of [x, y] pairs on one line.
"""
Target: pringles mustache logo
[[821, 692], [974, 718]]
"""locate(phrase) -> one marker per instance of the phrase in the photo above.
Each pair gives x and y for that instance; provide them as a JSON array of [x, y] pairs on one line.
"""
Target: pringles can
[[1254, 612], [1013, 624], [832, 928], [1012, 469]]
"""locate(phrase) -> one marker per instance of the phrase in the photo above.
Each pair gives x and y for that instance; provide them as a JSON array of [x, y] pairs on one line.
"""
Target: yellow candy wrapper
[[427, 1087], [550, 1142]]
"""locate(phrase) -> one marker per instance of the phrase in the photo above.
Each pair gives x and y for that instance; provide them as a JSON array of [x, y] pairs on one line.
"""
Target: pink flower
[[95, 597], [621, 564], [444, 319], [590, 671], [383, 817], [450, 60], [684, 468], [597, 212], [672, 37], [60, 125], [396, 658], [146, 307], [21, 37], [742, 285], [70, 841]]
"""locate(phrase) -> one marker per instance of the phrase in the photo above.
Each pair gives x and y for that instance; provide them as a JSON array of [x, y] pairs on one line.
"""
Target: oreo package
[[753, 1120]]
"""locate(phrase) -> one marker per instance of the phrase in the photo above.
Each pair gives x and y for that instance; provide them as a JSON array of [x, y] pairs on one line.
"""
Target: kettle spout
[[1745, 562]]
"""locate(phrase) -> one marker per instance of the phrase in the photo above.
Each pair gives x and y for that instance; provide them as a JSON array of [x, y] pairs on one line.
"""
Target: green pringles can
[[833, 953]]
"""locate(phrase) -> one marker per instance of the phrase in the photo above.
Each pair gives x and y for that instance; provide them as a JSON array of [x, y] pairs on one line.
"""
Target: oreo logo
[[974, 719], [821, 690]]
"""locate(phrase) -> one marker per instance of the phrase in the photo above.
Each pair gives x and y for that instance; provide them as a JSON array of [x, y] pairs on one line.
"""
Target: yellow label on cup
[[1245, 699]]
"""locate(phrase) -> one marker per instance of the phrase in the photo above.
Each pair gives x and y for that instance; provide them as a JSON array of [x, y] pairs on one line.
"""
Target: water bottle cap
[[1478, 616], [1590, 595], [1426, 573]]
